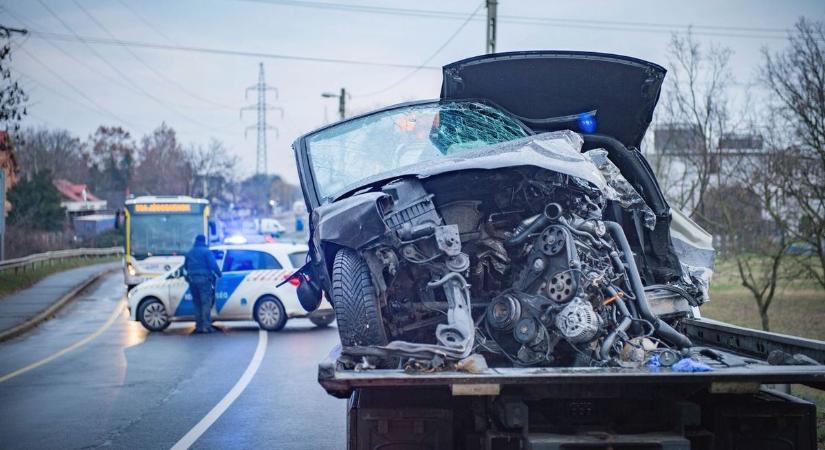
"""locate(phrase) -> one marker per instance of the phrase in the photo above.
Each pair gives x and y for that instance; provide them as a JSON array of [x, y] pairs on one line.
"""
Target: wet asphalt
[[128, 388]]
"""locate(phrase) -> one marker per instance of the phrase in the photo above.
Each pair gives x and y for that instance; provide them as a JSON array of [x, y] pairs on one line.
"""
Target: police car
[[247, 290]]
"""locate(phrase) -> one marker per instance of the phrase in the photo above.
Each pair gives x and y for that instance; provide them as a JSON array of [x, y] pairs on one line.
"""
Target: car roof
[[270, 247]]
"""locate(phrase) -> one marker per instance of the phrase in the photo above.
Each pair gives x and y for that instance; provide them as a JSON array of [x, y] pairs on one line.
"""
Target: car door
[[179, 300], [240, 285]]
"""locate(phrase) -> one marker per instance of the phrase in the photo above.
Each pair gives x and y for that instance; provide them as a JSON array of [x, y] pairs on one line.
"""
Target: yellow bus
[[159, 230]]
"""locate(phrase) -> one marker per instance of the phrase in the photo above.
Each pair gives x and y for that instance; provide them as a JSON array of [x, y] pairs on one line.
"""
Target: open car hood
[[552, 90]]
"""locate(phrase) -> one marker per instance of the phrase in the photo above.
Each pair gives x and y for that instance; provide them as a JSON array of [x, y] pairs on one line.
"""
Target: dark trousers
[[203, 296]]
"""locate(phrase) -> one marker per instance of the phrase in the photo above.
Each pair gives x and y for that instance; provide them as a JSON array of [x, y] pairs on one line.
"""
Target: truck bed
[[745, 353]]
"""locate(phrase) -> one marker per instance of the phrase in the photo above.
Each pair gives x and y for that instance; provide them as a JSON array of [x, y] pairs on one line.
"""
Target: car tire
[[322, 321], [270, 314], [356, 302], [153, 315]]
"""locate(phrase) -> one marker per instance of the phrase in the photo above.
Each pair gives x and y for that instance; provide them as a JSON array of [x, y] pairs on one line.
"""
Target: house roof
[[74, 192]]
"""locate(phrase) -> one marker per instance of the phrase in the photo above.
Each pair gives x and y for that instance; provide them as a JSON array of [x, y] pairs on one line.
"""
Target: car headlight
[[131, 269]]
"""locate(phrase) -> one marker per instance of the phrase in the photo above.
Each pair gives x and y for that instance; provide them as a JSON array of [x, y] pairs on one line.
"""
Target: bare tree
[[56, 151], [730, 189], [796, 78], [162, 166], [213, 168], [744, 209], [696, 108], [111, 155]]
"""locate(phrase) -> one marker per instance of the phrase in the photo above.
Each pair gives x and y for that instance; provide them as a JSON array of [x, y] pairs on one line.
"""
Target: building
[[680, 157], [88, 213], [77, 200]]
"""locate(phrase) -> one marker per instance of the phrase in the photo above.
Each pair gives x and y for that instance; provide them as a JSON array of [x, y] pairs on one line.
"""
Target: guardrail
[[32, 262]]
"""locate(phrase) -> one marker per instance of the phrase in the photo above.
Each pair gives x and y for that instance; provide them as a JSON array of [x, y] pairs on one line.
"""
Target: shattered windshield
[[347, 153]]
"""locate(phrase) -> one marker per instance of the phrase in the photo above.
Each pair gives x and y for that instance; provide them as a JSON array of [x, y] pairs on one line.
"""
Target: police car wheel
[[270, 314], [152, 315]]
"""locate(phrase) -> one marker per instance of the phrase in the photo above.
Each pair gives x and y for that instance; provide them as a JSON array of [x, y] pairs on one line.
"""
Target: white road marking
[[187, 440], [75, 346]]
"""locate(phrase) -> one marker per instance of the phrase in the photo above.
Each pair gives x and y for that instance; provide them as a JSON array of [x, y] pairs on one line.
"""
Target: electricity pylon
[[261, 126]]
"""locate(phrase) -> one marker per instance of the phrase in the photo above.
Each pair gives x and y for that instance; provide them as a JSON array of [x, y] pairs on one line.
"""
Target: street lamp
[[342, 101]]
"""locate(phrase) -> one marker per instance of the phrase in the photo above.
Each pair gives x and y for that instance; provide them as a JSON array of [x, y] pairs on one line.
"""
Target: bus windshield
[[163, 234]]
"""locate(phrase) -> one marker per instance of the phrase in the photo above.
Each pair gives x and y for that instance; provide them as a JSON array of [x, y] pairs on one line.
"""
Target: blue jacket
[[200, 262]]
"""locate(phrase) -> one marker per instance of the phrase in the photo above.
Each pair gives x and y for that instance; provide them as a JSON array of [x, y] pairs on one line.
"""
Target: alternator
[[578, 322]]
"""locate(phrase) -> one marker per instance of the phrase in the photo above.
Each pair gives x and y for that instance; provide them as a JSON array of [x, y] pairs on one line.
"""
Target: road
[[114, 385]]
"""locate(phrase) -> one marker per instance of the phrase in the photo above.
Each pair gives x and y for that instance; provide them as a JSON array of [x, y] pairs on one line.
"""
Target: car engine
[[520, 265]]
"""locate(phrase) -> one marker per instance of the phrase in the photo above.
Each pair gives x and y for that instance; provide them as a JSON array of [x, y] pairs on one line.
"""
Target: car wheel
[[152, 315], [270, 313], [355, 301], [322, 320]]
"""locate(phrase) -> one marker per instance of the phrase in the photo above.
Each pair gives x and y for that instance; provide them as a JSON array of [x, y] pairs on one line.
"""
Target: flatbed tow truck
[[741, 404]]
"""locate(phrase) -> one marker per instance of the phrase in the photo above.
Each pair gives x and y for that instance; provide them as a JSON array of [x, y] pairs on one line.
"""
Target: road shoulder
[[25, 309]]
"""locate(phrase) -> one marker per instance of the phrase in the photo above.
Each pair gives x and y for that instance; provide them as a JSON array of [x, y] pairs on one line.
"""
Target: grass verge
[[11, 282]]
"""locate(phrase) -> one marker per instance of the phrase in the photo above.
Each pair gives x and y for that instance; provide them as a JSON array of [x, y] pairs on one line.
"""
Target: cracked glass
[[347, 153]]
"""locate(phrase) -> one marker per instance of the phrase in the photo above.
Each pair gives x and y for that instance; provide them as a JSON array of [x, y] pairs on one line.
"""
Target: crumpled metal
[[619, 189]]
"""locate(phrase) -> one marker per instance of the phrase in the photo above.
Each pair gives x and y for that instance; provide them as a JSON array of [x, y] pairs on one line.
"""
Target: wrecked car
[[506, 273], [510, 218]]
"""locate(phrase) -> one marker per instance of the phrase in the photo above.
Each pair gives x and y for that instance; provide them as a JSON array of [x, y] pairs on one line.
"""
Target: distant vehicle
[[270, 226], [159, 230], [248, 290]]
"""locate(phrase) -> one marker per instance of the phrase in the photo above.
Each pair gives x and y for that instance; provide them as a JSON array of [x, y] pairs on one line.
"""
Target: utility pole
[[342, 101], [10, 30], [492, 24], [261, 126]]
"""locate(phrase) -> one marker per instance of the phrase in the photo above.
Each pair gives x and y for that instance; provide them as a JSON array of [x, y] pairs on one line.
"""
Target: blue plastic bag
[[690, 365]]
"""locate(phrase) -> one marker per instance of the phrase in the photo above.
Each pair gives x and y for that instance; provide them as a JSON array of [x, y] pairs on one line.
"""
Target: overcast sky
[[79, 83]]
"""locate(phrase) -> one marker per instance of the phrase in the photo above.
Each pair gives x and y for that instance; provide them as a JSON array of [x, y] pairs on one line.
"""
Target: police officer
[[202, 273]]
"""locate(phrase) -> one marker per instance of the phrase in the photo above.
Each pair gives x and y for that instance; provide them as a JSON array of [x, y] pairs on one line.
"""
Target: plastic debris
[[654, 361], [691, 365], [474, 363]]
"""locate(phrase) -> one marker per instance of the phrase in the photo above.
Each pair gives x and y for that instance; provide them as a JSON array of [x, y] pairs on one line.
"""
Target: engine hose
[[552, 211], [611, 338], [520, 237], [663, 330], [604, 353], [583, 234]]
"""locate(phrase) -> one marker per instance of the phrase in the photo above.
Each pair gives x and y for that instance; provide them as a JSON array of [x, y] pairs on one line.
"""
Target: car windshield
[[344, 155]]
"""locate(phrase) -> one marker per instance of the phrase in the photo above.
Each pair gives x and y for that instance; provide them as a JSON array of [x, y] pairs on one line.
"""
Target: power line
[[72, 56], [123, 78], [145, 22], [612, 25], [75, 89], [123, 75], [216, 51], [57, 92], [159, 74], [426, 61]]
